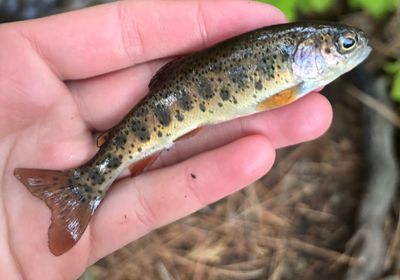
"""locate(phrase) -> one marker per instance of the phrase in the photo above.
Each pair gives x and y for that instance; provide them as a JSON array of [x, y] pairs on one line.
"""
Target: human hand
[[62, 78]]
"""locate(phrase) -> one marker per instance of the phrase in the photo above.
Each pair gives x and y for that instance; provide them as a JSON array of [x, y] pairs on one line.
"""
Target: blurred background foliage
[[377, 8]]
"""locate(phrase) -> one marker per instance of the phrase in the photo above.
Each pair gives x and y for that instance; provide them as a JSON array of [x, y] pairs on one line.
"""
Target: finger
[[109, 37], [158, 198], [104, 100]]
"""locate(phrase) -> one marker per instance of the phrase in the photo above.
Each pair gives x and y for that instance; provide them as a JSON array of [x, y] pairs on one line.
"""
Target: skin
[[63, 78]]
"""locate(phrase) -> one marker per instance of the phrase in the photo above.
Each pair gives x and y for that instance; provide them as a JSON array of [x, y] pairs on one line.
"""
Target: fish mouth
[[368, 47], [367, 51], [365, 48]]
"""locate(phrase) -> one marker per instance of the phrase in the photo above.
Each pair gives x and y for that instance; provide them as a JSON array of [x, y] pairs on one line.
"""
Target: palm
[[47, 123], [46, 129]]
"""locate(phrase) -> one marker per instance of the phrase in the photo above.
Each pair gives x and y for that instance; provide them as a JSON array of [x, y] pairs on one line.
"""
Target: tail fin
[[71, 208]]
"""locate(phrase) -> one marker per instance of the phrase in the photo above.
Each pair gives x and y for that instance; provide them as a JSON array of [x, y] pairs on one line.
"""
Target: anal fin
[[189, 134], [279, 99], [138, 167]]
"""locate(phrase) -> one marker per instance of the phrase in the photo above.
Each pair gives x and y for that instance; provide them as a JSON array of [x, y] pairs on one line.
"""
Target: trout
[[257, 71]]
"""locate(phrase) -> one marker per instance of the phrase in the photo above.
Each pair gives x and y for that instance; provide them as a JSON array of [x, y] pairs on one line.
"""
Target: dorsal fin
[[165, 70], [102, 138]]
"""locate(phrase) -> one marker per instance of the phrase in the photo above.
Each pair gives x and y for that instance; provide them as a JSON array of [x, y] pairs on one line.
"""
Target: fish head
[[328, 52]]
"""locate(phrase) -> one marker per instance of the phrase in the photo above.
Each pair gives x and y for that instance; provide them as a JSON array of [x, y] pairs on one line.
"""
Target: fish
[[257, 71]]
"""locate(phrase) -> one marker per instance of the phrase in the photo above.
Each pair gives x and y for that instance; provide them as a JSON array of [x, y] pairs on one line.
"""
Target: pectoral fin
[[279, 99]]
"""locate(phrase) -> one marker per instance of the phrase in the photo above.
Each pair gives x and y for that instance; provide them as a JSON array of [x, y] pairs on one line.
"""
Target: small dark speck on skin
[[193, 175]]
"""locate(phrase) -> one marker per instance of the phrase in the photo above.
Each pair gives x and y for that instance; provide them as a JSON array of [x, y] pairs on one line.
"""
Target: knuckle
[[145, 212], [202, 24], [131, 39]]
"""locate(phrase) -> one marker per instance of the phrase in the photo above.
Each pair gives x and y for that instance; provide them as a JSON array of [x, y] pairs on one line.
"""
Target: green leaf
[[288, 7], [314, 6], [378, 8], [395, 94], [392, 67]]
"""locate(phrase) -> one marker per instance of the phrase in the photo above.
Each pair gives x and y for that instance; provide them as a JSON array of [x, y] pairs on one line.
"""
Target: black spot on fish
[[258, 85], [119, 140], [142, 111], [238, 76], [234, 100], [114, 162], [140, 130], [162, 115], [264, 66], [184, 101], [88, 189], [225, 95], [205, 90], [95, 175], [202, 107], [179, 116]]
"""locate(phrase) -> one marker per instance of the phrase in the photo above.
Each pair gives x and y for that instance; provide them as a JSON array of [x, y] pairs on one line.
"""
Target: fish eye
[[347, 42]]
